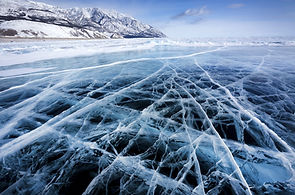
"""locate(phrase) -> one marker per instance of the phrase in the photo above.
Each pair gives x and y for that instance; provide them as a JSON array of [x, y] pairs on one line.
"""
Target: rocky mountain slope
[[25, 18]]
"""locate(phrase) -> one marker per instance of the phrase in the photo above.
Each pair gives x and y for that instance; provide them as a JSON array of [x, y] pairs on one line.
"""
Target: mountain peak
[[26, 18]]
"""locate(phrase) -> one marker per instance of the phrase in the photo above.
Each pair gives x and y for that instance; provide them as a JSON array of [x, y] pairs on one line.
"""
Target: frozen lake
[[147, 116]]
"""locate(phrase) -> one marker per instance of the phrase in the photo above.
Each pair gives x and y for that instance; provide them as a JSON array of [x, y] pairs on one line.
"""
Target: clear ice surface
[[147, 116]]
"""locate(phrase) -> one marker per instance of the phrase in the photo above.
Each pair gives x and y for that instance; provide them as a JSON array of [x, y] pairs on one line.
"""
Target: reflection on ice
[[174, 119]]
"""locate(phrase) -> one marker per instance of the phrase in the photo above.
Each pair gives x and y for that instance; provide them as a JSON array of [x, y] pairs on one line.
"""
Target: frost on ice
[[174, 119]]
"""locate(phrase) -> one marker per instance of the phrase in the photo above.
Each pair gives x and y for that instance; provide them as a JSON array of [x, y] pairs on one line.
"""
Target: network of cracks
[[180, 125]]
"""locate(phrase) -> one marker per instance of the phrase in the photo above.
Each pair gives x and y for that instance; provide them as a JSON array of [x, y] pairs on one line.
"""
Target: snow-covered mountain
[[25, 18]]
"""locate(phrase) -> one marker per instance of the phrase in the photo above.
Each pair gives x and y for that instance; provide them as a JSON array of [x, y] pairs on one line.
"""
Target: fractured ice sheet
[[168, 120]]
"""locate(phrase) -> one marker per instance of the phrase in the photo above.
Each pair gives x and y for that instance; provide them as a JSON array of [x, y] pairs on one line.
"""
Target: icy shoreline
[[22, 39], [30, 50]]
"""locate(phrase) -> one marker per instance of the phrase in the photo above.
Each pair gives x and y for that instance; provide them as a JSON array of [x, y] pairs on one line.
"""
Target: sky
[[204, 18]]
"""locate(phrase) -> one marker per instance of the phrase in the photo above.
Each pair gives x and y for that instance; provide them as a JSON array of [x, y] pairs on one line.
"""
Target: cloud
[[193, 15], [192, 12], [236, 5]]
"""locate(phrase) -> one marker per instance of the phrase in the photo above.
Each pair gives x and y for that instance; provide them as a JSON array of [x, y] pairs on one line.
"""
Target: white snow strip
[[122, 62], [20, 71], [22, 141], [19, 53]]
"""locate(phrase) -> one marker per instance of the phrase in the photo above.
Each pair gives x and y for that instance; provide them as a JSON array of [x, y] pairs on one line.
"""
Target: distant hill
[[25, 18]]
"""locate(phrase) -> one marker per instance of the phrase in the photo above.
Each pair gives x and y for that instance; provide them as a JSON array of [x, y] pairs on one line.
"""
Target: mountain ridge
[[70, 23]]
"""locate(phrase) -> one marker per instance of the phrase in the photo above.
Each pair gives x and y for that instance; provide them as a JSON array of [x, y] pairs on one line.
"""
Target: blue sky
[[204, 18]]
